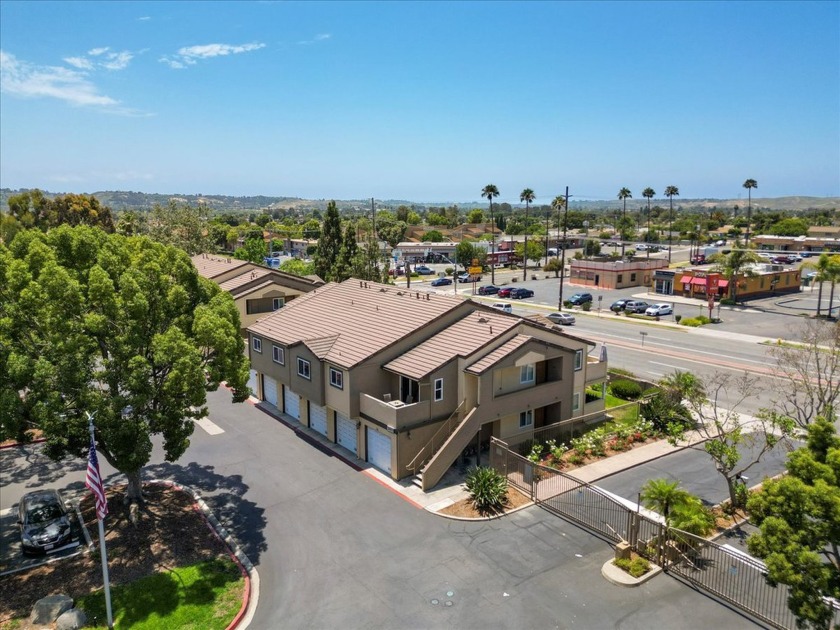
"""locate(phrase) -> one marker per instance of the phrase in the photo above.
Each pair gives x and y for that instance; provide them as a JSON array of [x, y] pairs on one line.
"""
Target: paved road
[[696, 473], [335, 548]]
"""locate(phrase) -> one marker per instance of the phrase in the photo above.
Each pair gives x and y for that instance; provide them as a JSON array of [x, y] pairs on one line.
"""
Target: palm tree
[[623, 194], [490, 191], [670, 191], [662, 495], [527, 196], [648, 193], [749, 185], [734, 264], [823, 267], [558, 204]]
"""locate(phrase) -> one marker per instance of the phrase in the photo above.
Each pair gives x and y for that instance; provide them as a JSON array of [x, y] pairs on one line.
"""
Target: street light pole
[[563, 259]]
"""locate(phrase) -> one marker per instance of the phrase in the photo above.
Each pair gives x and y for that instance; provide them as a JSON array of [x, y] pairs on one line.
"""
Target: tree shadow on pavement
[[27, 463], [225, 496]]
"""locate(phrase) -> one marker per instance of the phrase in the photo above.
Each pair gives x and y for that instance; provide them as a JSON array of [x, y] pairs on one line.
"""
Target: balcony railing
[[596, 371], [394, 413]]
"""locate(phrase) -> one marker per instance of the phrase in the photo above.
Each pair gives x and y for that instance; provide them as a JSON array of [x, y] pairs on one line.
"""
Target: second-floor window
[[438, 389], [277, 303], [578, 360], [526, 418], [257, 344], [576, 401], [303, 368], [526, 373], [278, 355], [336, 378]]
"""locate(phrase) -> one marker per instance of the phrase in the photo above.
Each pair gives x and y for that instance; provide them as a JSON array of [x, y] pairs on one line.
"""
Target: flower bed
[[596, 444]]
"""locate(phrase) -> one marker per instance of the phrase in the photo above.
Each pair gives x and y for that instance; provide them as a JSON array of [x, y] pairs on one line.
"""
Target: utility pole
[[563, 258]]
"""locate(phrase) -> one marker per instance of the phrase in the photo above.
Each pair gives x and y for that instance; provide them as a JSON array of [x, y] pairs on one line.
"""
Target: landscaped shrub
[[625, 389], [567, 304], [586, 306], [727, 302], [664, 411], [636, 567], [488, 489], [704, 320], [621, 372], [693, 322], [677, 318]]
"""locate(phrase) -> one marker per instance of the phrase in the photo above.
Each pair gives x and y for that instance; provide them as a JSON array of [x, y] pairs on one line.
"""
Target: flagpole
[[103, 553]]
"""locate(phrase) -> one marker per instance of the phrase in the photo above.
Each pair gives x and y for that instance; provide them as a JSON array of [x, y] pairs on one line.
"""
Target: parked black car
[[44, 522], [618, 305], [580, 298], [519, 293]]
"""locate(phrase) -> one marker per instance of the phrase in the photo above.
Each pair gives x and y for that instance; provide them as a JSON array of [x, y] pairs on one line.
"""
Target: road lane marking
[[211, 427], [676, 367]]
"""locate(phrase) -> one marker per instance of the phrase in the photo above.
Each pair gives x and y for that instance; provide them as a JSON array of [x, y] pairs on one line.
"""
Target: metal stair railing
[[437, 440]]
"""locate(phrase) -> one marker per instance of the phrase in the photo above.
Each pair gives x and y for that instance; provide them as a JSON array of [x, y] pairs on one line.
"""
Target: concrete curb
[[15, 444], [620, 577], [479, 518], [252, 578]]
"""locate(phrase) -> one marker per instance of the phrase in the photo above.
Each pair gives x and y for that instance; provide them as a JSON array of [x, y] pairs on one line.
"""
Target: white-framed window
[[576, 401], [277, 303], [256, 343], [303, 368], [526, 373], [578, 360], [526, 418], [336, 378], [438, 389], [278, 355]]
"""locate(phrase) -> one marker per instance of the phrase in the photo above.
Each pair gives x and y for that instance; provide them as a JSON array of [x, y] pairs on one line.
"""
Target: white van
[[502, 306]]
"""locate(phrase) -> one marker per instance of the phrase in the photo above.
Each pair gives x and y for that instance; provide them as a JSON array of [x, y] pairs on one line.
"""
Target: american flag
[[93, 480]]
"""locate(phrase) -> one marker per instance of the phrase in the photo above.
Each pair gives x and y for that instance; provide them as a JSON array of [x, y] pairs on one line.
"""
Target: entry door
[[252, 382]]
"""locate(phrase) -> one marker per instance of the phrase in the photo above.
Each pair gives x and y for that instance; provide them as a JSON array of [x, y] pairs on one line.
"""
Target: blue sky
[[421, 101]]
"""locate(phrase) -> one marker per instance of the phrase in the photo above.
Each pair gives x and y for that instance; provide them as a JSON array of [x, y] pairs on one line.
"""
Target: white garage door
[[379, 450], [291, 403], [318, 418], [252, 382], [270, 390], [347, 432]]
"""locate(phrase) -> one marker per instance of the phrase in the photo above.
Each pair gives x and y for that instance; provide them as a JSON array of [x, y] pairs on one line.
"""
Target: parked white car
[[502, 306], [659, 309]]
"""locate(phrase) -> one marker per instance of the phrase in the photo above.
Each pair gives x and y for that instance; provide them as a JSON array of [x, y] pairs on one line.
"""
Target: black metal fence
[[725, 572]]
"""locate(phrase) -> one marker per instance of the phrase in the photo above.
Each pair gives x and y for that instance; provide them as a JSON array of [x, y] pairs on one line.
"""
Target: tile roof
[[498, 354], [233, 283], [361, 318], [462, 338], [210, 266]]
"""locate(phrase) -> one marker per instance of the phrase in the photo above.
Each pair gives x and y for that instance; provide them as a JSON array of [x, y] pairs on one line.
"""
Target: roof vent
[[418, 295], [361, 284], [383, 290], [400, 293], [428, 297], [483, 320]]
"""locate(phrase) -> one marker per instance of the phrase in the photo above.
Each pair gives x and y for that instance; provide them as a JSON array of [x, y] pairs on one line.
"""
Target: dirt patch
[[465, 508], [170, 533], [32, 435]]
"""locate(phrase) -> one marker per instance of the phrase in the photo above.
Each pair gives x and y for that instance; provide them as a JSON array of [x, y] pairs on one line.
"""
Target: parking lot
[[12, 558]]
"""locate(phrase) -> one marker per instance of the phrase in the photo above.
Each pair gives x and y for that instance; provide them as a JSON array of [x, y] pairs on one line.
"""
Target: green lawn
[[203, 596]]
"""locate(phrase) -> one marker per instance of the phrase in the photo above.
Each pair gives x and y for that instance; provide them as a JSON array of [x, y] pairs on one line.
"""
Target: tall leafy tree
[[527, 196], [798, 516], [670, 192], [648, 194], [623, 195], [329, 245], [489, 192], [121, 327], [749, 185], [180, 225], [349, 252]]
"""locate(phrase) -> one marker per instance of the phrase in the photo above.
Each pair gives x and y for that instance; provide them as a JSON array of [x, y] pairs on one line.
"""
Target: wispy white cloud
[[117, 61], [144, 18], [73, 86], [95, 52], [79, 62], [318, 38], [190, 55]]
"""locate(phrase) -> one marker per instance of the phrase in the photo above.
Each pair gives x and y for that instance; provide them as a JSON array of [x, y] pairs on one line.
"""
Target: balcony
[[395, 414], [529, 398], [596, 370]]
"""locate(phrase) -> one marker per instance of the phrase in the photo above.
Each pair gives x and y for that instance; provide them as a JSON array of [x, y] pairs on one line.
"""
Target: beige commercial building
[[406, 380], [610, 273]]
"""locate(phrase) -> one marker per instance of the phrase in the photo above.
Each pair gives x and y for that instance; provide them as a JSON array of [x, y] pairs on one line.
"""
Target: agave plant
[[488, 489]]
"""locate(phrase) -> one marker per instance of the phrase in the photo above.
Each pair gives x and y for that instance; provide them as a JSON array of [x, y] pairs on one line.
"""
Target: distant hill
[[128, 200]]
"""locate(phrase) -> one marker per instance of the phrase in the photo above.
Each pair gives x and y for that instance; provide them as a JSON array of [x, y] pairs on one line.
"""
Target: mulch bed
[[170, 533], [465, 508]]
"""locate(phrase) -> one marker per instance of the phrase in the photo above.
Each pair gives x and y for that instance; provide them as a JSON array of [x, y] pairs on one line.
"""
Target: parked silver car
[[561, 318]]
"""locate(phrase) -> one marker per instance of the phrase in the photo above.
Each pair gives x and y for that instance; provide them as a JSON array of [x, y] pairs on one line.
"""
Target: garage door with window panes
[[318, 418], [270, 390], [346, 433], [379, 450], [291, 403]]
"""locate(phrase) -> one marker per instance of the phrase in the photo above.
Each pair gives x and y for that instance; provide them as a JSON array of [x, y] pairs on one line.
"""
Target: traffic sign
[[474, 271]]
